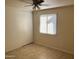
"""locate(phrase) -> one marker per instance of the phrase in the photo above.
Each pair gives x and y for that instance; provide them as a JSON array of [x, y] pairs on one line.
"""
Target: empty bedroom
[[39, 29]]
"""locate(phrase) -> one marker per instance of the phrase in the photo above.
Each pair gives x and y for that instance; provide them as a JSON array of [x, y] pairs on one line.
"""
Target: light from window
[[48, 24]]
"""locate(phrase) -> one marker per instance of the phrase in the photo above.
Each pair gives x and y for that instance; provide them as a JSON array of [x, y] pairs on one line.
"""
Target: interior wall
[[64, 38], [18, 23]]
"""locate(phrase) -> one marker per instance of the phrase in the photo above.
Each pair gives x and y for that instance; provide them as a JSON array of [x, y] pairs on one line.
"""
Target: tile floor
[[34, 51]]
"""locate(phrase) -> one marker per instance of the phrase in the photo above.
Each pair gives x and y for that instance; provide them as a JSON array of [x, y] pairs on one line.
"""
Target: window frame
[[47, 24]]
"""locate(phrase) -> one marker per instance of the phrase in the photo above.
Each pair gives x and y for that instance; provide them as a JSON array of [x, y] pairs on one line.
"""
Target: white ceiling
[[52, 3]]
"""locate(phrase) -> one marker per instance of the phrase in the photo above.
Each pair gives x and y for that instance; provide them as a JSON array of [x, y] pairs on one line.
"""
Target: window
[[48, 24]]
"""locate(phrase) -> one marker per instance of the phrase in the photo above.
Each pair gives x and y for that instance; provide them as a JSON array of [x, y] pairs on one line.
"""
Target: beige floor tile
[[34, 51]]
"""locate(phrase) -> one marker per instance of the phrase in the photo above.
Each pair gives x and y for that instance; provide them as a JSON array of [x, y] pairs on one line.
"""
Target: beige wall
[[63, 40], [18, 28]]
